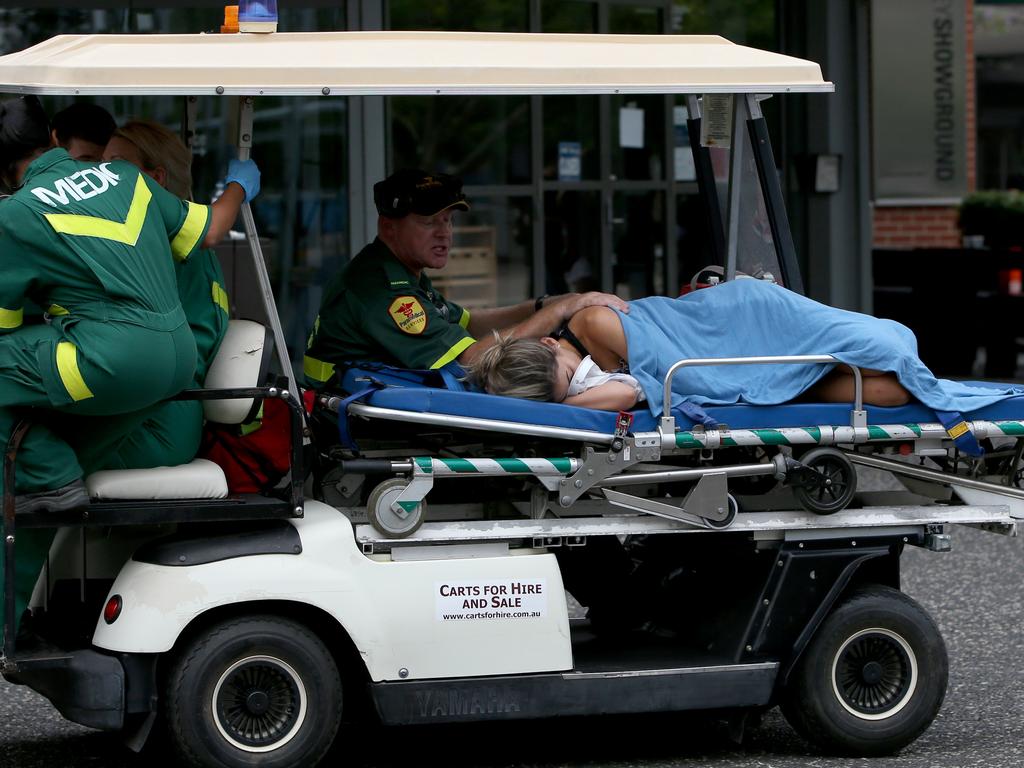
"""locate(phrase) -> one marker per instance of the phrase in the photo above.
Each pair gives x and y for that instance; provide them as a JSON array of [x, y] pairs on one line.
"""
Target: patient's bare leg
[[880, 388]]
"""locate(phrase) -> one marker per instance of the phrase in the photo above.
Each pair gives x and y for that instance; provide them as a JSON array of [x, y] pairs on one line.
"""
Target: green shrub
[[996, 214]]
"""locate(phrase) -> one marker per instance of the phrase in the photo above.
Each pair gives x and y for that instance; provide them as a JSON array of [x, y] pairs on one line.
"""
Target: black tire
[[873, 677], [834, 486], [261, 691]]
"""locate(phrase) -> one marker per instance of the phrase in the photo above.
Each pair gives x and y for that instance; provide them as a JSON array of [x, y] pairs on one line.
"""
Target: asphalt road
[[974, 592]]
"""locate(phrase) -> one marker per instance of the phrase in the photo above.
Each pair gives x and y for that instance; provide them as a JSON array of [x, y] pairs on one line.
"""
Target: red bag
[[254, 456]]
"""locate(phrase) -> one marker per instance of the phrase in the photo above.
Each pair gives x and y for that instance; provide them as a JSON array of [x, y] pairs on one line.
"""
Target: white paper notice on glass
[[570, 160], [716, 125], [685, 170], [631, 128], [826, 174]]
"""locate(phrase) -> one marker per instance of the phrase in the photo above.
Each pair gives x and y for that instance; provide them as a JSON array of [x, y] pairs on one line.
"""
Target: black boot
[[64, 499]]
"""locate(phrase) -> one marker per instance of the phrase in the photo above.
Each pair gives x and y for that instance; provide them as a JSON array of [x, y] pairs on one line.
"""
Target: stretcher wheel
[[734, 509], [831, 483], [385, 519]]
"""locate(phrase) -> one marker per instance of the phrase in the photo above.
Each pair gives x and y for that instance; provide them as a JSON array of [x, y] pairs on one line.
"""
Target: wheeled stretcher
[[548, 460]]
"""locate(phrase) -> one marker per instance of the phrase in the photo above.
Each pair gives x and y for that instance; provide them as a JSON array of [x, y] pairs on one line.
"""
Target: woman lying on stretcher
[[592, 360]]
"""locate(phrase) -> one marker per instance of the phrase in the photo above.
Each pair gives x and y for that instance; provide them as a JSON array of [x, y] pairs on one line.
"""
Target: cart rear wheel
[[385, 519], [832, 486], [261, 691], [872, 679]]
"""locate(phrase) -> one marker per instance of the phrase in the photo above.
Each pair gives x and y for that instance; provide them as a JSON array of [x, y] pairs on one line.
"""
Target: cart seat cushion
[[200, 479], [241, 362], [423, 395]]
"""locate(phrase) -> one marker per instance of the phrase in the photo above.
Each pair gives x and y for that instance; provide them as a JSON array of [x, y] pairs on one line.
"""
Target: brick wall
[[919, 227], [934, 226]]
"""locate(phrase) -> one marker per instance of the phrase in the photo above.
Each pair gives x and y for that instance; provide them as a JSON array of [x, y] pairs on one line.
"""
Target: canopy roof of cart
[[389, 63]]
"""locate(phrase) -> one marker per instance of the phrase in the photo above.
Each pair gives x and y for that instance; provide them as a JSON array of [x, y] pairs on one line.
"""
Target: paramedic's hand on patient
[[553, 312], [245, 174], [242, 184], [572, 303]]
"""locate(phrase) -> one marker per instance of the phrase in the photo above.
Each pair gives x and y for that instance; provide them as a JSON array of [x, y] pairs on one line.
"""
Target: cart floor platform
[[790, 525]]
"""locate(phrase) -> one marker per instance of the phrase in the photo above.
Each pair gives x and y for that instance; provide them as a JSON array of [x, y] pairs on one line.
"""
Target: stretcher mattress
[[414, 394]]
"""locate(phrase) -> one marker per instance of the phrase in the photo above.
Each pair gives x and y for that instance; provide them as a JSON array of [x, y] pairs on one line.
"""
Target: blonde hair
[[516, 368], [160, 147]]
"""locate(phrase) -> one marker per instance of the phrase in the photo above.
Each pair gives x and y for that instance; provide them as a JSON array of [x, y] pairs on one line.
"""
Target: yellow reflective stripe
[[188, 236], [11, 318], [454, 352], [67, 367], [92, 226], [55, 310], [464, 320], [220, 297], [317, 370]]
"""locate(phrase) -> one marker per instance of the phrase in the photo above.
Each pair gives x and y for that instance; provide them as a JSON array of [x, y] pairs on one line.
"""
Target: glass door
[[605, 177]]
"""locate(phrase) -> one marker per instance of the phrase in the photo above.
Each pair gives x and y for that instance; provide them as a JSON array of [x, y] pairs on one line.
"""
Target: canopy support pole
[[706, 180], [774, 200], [245, 109], [739, 117]]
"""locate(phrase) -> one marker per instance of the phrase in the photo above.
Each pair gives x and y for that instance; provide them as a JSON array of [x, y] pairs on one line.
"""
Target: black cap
[[414, 191]]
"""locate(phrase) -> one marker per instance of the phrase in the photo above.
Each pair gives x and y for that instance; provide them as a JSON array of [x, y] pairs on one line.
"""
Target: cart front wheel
[[261, 691], [386, 520], [872, 679]]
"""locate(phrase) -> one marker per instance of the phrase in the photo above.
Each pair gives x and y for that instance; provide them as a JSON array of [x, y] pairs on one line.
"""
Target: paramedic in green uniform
[[382, 307], [171, 433], [95, 244], [83, 129]]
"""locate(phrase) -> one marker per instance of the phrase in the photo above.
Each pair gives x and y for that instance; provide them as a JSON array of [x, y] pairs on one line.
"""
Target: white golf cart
[[253, 623]]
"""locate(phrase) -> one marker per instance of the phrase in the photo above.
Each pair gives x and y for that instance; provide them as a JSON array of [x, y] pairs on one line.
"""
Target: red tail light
[[112, 609]]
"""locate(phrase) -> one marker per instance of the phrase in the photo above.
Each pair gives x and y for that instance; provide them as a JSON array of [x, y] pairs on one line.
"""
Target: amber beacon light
[[230, 20]]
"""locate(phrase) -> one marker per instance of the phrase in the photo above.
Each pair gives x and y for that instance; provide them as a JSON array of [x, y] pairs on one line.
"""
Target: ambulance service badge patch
[[408, 314]]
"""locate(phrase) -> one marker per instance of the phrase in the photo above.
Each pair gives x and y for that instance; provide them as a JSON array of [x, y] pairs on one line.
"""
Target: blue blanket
[[744, 318]]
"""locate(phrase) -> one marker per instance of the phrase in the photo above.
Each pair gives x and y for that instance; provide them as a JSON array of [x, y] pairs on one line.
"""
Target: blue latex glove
[[246, 175]]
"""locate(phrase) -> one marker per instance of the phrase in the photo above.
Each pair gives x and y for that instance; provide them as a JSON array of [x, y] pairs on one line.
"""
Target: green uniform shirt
[[376, 309], [91, 240], [201, 289]]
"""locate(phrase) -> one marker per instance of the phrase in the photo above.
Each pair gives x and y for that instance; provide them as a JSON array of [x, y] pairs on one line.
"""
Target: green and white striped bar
[[826, 435], [492, 467]]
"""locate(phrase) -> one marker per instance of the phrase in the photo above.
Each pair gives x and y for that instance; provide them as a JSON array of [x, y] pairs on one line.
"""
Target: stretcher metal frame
[[606, 461]]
